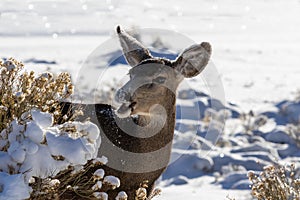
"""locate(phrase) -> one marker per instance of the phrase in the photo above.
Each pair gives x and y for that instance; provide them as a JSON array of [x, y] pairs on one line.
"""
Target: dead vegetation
[[20, 91], [276, 182]]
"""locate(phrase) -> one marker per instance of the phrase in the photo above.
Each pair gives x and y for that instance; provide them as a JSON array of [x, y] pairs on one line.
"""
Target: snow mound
[[98, 174], [291, 110], [37, 148], [113, 181], [122, 196], [9, 184]]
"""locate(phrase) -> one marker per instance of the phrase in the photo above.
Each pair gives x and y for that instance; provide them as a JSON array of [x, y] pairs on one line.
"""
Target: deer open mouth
[[126, 109]]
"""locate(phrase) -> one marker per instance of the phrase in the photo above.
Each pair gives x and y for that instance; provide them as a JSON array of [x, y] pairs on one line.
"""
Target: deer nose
[[122, 96]]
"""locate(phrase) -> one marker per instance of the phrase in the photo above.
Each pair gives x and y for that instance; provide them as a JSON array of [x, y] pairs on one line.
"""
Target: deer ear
[[193, 60], [133, 50]]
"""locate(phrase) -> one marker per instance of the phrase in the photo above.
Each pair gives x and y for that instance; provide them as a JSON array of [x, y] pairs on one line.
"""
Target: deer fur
[[147, 103]]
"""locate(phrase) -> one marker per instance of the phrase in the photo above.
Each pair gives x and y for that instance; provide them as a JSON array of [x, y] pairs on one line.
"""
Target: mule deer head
[[153, 81]]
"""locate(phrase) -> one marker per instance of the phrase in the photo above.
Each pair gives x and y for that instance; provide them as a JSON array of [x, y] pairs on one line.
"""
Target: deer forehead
[[152, 68]]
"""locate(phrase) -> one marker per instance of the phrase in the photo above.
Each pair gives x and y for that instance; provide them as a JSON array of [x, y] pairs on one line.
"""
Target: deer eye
[[159, 80]]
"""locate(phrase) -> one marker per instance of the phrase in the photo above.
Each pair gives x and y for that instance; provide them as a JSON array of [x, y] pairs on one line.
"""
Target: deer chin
[[125, 109]]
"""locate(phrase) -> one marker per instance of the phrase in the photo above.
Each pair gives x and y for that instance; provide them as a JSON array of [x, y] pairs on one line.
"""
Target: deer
[[137, 135]]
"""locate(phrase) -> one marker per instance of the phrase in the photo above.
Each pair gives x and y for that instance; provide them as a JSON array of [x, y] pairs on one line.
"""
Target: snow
[[121, 196], [98, 174], [54, 183], [201, 188], [255, 50], [97, 186], [12, 187], [17, 154], [103, 160], [34, 132], [29, 156], [44, 120], [100, 195], [76, 151], [292, 111], [113, 181], [6, 161]]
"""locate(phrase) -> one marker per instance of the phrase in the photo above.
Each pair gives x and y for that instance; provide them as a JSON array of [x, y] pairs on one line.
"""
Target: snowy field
[[256, 47]]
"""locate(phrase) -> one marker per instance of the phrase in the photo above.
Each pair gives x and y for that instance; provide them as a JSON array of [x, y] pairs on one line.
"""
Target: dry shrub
[[252, 122], [72, 184], [20, 91], [78, 184], [141, 192], [276, 182]]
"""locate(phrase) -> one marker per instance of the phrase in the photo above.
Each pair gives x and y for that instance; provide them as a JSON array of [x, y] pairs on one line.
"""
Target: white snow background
[[256, 46]]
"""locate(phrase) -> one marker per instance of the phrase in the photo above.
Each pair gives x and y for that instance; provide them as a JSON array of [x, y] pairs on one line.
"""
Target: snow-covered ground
[[256, 46]]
